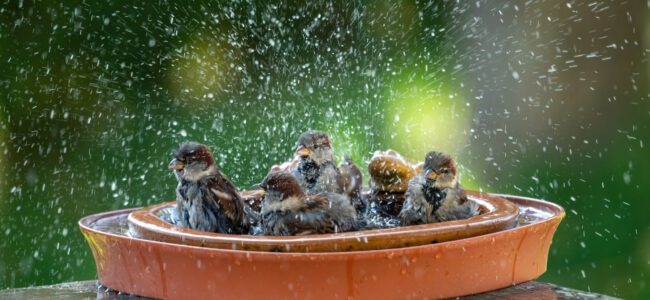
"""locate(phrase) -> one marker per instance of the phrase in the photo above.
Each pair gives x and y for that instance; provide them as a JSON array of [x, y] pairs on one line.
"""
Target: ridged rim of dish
[[557, 212], [499, 214]]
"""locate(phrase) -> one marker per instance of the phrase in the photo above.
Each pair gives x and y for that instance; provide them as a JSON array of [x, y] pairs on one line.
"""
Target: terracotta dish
[[497, 214], [441, 270]]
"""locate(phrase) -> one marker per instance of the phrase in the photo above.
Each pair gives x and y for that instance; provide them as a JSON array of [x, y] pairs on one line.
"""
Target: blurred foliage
[[95, 95]]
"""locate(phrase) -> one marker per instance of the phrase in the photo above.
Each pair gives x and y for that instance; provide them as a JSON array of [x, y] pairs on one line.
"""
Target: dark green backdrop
[[542, 99]]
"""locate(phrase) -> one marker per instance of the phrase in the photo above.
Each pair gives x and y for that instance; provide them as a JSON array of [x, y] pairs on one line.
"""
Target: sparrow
[[316, 170], [350, 181], [434, 194], [206, 199], [287, 210]]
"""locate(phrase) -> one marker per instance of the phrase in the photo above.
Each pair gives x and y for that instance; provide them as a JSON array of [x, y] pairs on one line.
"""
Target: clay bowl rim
[[501, 214], [557, 214]]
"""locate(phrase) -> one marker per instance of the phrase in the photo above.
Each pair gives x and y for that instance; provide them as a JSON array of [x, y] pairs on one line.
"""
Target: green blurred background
[[545, 99]]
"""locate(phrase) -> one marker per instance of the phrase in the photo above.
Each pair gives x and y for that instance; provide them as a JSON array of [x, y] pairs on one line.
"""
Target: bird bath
[[407, 262], [498, 214]]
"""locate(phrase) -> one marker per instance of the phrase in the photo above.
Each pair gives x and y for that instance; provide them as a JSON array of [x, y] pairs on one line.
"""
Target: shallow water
[[118, 224], [373, 218], [169, 215], [529, 215], [377, 218]]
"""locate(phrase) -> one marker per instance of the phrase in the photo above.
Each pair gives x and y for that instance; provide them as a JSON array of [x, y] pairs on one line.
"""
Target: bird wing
[[330, 212], [416, 209], [313, 218], [226, 203], [228, 200], [456, 206], [310, 223], [316, 202], [350, 178]]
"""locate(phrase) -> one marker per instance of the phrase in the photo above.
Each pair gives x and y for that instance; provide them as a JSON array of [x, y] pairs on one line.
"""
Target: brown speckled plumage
[[207, 200], [287, 210], [436, 198]]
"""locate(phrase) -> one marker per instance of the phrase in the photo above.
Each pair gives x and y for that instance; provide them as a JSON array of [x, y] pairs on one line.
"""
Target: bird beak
[[432, 175], [176, 165], [303, 151]]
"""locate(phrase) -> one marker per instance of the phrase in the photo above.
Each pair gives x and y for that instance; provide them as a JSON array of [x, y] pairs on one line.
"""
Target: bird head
[[315, 146], [439, 169], [192, 161], [280, 186]]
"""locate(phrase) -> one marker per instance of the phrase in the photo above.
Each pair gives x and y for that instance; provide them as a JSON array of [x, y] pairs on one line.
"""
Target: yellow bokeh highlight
[[420, 120], [200, 70]]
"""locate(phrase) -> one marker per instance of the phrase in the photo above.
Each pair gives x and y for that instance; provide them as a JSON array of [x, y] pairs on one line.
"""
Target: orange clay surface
[[440, 270]]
